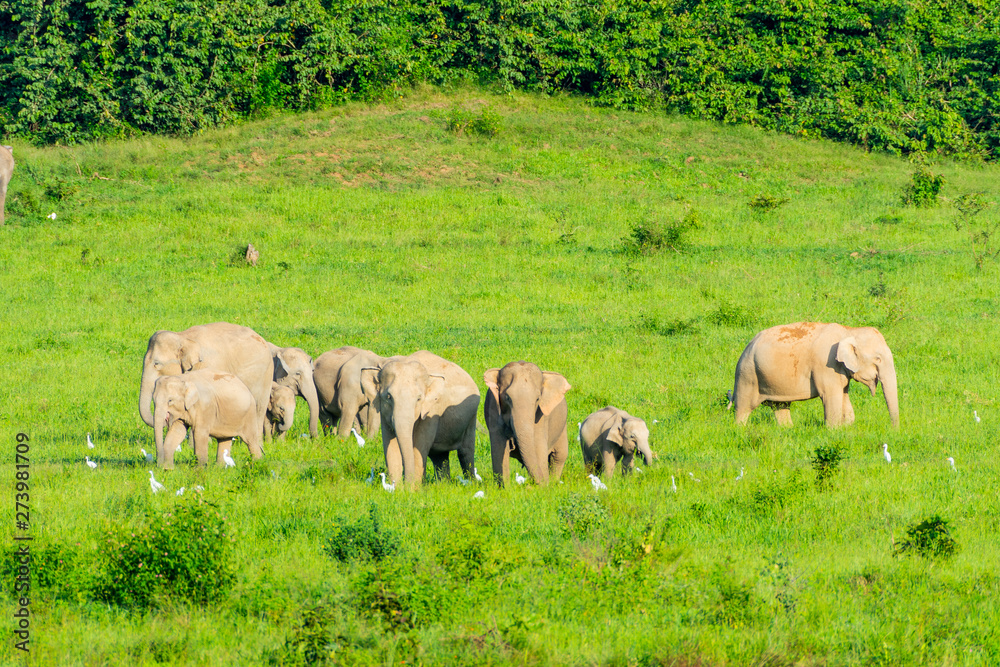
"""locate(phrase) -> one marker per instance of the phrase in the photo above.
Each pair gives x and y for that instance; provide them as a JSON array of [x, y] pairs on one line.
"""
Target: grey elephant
[[345, 401], [611, 435], [220, 346], [294, 368], [6, 171], [280, 410], [427, 407], [804, 360], [212, 404], [525, 412]]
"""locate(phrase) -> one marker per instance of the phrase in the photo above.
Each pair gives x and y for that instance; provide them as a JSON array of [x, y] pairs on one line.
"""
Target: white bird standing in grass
[[479, 494], [596, 482], [740, 475], [519, 478], [638, 469], [230, 463], [90, 463], [180, 491], [385, 485], [579, 432], [951, 462], [357, 436], [475, 471], [693, 477], [146, 455], [156, 486], [90, 443], [975, 416], [885, 452], [673, 484]]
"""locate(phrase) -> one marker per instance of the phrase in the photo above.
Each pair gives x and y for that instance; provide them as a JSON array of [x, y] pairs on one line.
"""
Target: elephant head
[[866, 357], [632, 435], [173, 400], [293, 368], [526, 395], [281, 408], [168, 353], [405, 394]]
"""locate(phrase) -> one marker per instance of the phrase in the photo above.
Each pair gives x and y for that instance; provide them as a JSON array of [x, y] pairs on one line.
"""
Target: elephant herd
[[225, 381]]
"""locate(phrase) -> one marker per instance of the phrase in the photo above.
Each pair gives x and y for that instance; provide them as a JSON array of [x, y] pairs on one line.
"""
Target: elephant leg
[[467, 451], [225, 445], [608, 463], [348, 417], [442, 464], [557, 459], [254, 445], [393, 456], [848, 411], [175, 435], [833, 406], [424, 434], [326, 420]]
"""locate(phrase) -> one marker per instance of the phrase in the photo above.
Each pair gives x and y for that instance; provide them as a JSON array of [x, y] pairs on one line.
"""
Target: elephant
[[611, 435], [525, 412], [293, 368], [213, 404], [796, 362], [6, 171], [427, 406], [280, 410], [220, 346], [344, 400]]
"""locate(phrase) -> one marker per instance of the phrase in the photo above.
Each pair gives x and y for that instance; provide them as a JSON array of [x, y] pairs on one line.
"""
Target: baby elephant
[[213, 404], [280, 410], [6, 171], [611, 435]]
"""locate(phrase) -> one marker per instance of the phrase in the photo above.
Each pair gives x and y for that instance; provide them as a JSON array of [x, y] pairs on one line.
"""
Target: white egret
[[357, 436], [885, 452], [156, 486], [90, 443], [90, 463], [693, 477], [638, 469], [385, 485], [475, 471], [673, 484], [951, 462], [479, 494], [180, 491], [975, 416], [230, 463], [146, 455], [579, 431], [51, 216], [520, 479], [740, 476], [596, 482]]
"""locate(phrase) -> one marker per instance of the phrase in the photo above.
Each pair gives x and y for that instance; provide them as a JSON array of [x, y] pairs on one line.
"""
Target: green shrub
[[930, 538], [730, 315], [582, 514], [365, 539], [825, 462], [185, 554], [923, 188], [487, 123], [402, 594], [651, 236], [767, 203]]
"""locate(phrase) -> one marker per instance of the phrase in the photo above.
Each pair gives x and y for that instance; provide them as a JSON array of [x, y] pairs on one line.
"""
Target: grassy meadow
[[378, 226]]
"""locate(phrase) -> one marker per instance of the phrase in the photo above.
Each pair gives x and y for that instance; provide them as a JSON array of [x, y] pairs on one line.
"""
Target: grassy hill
[[386, 228]]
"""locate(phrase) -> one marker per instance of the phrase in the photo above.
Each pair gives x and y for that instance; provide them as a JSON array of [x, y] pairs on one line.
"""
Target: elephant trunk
[[533, 451], [647, 453], [403, 426], [159, 424], [887, 376], [307, 389], [146, 395]]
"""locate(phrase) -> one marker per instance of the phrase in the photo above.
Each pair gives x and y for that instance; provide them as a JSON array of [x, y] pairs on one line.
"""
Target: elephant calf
[[281, 410], [293, 368], [611, 435], [6, 171], [213, 404], [345, 402], [796, 362]]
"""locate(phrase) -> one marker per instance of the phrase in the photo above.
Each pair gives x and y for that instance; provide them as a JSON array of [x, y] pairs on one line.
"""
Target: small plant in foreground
[[650, 236], [487, 123], [676, 327], [825, 462], [767, 203], [923, 188], [365, 539], [929, 538], [730, 315], [982, 234]]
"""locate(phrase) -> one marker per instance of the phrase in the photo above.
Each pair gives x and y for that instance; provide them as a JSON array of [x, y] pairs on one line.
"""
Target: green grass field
[[379, 227]]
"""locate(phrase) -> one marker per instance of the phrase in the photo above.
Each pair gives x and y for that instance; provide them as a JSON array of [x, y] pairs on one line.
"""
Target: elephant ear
[[491, 378], [190, 355], [613, 428], [433, 393], [554, 388], [281, 369], [190, 396], [369, 384], [847, 353]]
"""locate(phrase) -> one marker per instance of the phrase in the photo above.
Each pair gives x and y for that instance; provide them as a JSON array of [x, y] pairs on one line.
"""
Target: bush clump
[[364, 540], [487, 123], [923, 188], [650, 236], [930, 538], [582, 514], [826, 462], [185, 554]]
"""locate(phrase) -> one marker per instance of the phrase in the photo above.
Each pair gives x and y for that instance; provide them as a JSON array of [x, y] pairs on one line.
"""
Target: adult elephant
[[611, 435], [796, 362], [294, 368], [525, 412], [344, 400], [428, 409], [220, 346], [6, 171]]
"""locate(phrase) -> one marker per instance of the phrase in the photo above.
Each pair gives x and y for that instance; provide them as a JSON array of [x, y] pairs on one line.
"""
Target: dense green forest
[[894, 75]]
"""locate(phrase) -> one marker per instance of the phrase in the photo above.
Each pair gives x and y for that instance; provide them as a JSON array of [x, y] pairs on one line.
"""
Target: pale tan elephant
[[796, 362], [525, 412], [280, 410], [611, 435], [294, 368], [212, 404], [345, 401], [219, 346], [428, 409], [6, 172]]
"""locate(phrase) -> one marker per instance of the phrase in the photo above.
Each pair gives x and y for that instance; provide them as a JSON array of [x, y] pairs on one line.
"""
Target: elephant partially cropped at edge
[[213, 405], [796, 362], [293, 368], [525, 412], [428, 408], [6, 172], [611, 435], [220, 346]]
